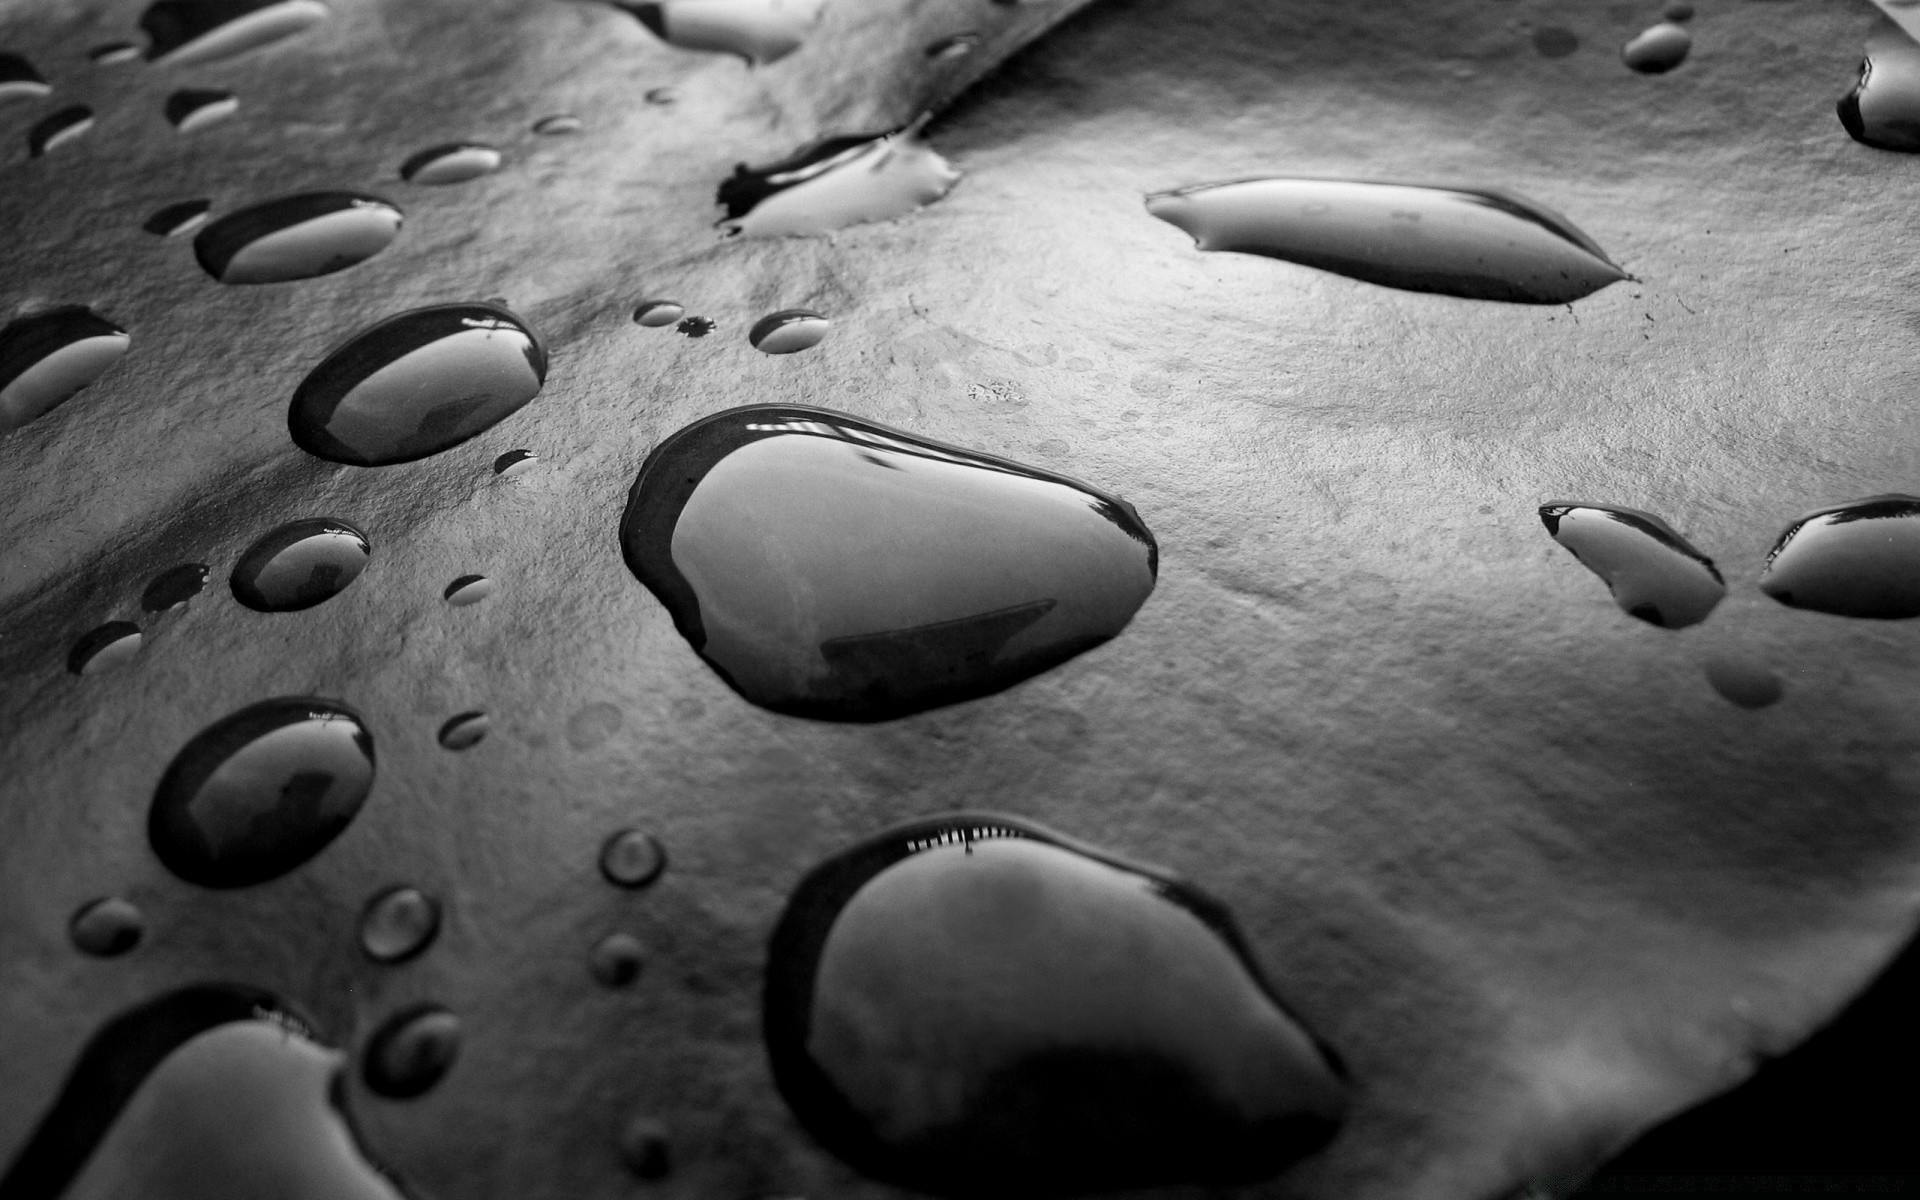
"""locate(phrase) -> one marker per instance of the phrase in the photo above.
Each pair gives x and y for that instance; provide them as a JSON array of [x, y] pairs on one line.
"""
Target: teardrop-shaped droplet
[[1658, 49], [1742, 681], [465, 730], [296, 237], [515, 463], [194, 108], [183, 32], [655, 313], [835, 183], [646, 1148], [104, 648], [760, 31], [632, 859], [788, 331], [616, 959], [831, 567], [1479, 244], [46, 358], [958, 45], [300, 564], [260, 792], [558, 125], [411, 1051], [468, 589], [107, 927], [1555, 41], [112, 54], [174, 586], [19, 80], [398, 924], [453, 162], [1653, 572], [58, 128], [1093, 1024], [1883, 109], [1859, 559], [695, 327], [178, 220], [416, 384]]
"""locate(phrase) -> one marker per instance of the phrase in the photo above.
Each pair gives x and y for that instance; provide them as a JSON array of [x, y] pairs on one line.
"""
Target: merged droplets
[[178, 220], [1653, 573], [695, 327], [104, 648], [1859, 559], [46, 358], [468, 589], [835, 183], [107, 927], [463, 731], [20, 80], [300, 564], [1093, 1024], [1658, 49], [411, 1051], [1481, 244], [183, 32], [515, 463], [398, 924], [174, 587], [632, 859], [788, 331], [830, 567], [416, 384], [196, 108], [260, 792], [296, 237], [1883, 109], [655, 313], [760, 31], [454, 162], [58, 128]]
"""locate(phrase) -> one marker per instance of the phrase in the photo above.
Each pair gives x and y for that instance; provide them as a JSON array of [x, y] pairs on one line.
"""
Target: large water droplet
[[1658, 49], [411, 1051], [19, 80], [646, 1148], [260, 792], [655, 313], [468, 589], [300, 564], [1743, 681], [183, 32], [58, 128], [835, 183], [178, 220], [760, 31], [194, 108], [398, 924], [106, 927], [1653, 573], [416, 384], [1859, 559], [1883, 109], [454, 162], [616, 959], [632, 859], [515, 463], [788, 331], [104, 648], [1093, 1024], [112, 54], [296, 237], [558, 125], [1479, 244], [1555, 41], [46, 358], [831, 567], [463, 731], [174, 586]]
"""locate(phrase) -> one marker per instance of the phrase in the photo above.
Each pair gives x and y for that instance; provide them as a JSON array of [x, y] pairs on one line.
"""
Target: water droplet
[[184, 32], [760, 31], [616, 959], [296, 237], [515, 463], [1883, 109], [831, 567], [632, 859], [58, 128], [300, 564], [1859, 559], [46, 358], [1658, 49], [178, 220], [558, 125], [465, 730], [106, 927], [645, 1148], [411, 1051], [468, 589], [695, 327], [19, 80], [261, 791], [104, 648], [416, 384], [455, 162], [1554, 41], [958, 45], [662, 95], [590, 727], [111, 54], [1095, 1025], [788, 331], [1742, 681], [1653, 573], [398, 924], [655, 313], [194, 108], [1478, 244], [835, 183], [1680, 10], [174, 586]]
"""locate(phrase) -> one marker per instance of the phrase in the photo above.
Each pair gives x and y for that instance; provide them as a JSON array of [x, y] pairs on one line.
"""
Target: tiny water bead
[[107, 927], [655, 313], [616, 959], [1859, 559], [174, 587], [760, 31], [1883, 109], [184, 32], [1678, 11], [112, 54], [453, 162], [1653, 572], [1658, 49], [195, 108], [646, 1148], [835, 183], [463, 731], [1093, 1024], [58, 128], [832, 567], [515, 463], [299, 565], [558, 125], [1480, 244], [178, 220], [632, 859], [398, 923], [1742, 681], [104, 648], [294, 237], [418, 383], [468, 589], [662, 95], [1554, 41], [411, 1051], [957, 45], [695, 327], [48, 357], [261, 791], [788, 331], [20, 80]]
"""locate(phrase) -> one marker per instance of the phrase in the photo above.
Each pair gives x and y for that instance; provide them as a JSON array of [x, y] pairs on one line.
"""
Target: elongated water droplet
[[398, 924], [196, 108], [1653, 573], [831, 567], [411, 1051], [104, 648], [183, 32], [1658, 49], [106, 927], [178, 220], [468, 589], [1094, 1024], [46, 358], [1859, 559], [300, 564], [695, 327], [416, 384], [1742, 681], [835, 183], [58, 128], [261, 791], [1479, 244], [465, 730], [1555, 41], [515, 463], [1883, 109], [296, 237], [655, 313], [174, 586], [646, 1148], [112, 54], [958, 45], [454, 162], [616, 959], [19, 80], [760, 31], [558, 125], [632, 859], [788, 331]]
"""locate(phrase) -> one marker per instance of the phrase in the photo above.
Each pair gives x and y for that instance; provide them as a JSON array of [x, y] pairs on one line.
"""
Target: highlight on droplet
[[835, 183], [1653, 573], [760, 31], [47, 358], [301, 236]]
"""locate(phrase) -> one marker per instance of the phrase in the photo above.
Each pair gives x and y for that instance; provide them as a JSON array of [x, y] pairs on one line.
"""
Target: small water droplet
[[836, 183], [616, 959], [261, 791], [558, 125], [1658, 49], [106, 927], [178, 220], [662, 95], [112, 54], [174, 586], [296, 237], [695, 327], [46, 358], [468, 589], [632, 859], [104, 648], [590, 727], [646, 1148], [957, 45], [1555, 41], [1679, 10], [1096, 1025], [454, 162], [300, 564], [788, 331], [465, 730], [398, 924], [20, 80], [416, 384], [411, 1051], [1859, 559], [1481, 244], [1653, 572], [1883, 109], [183, 32], [655, 313], [515, 463], [1742, 681], [58, 128], [760, 31], [196, 108], [831, 567]]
